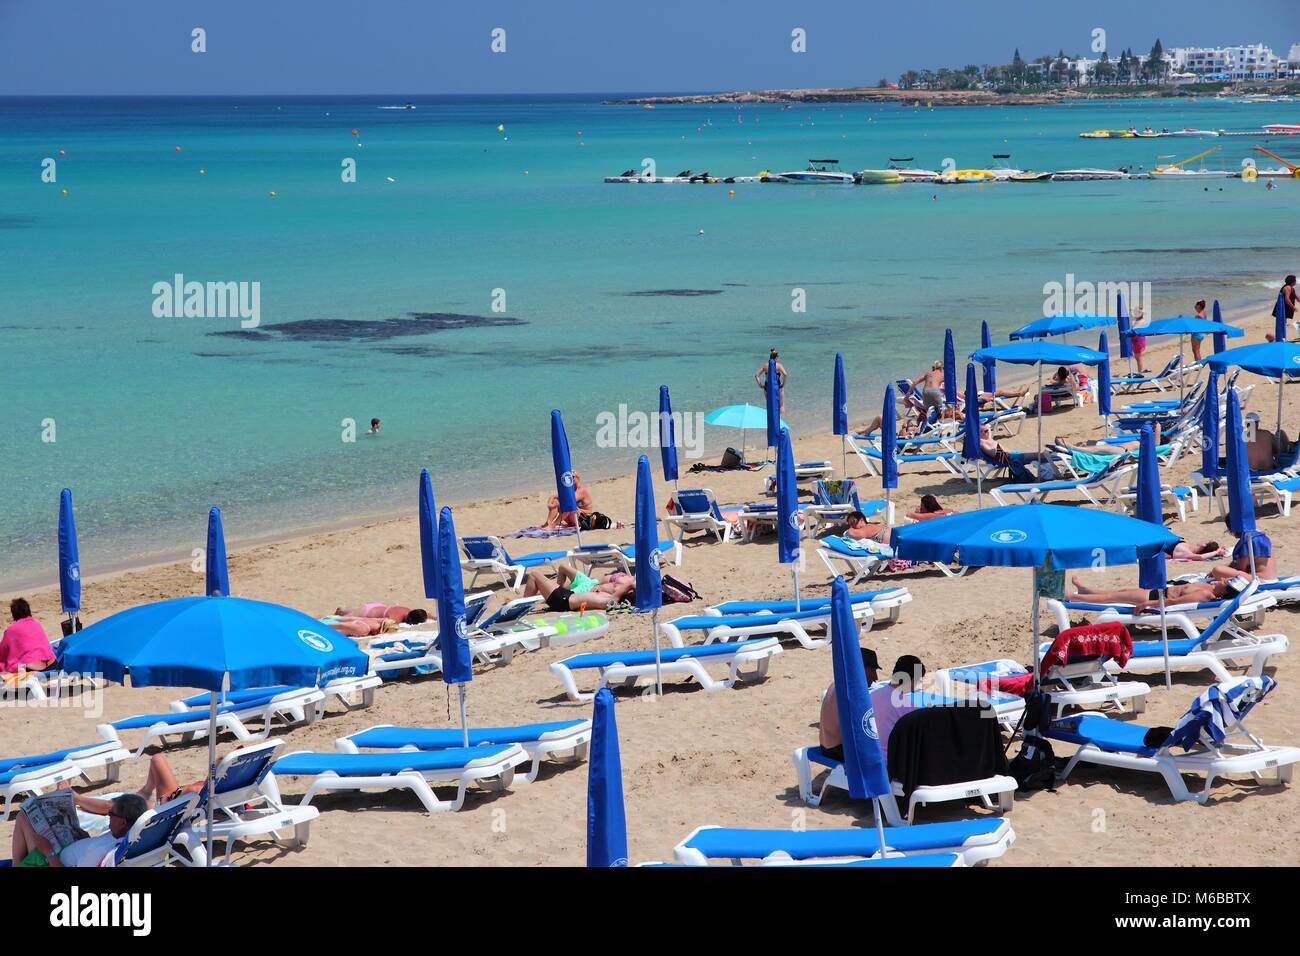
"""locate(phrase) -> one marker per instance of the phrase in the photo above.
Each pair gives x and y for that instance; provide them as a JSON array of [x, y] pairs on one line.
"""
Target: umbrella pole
[[464, 723], [880, 827], [1182, 383], [1276, 440], [212, 773], [659, 677], [794, 570], [844, 456], [1033, 618], [1250, 550], [1039, 416], [1164, 639]]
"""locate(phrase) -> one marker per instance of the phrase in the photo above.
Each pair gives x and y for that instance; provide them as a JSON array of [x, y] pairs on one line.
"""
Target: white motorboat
[[1177, 172], [819, 172], [1072, 175]]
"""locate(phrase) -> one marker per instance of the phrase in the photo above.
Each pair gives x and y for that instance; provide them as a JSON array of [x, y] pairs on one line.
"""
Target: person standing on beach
[[1139, 342], [1288, 302], [1199, 337], [931, 385], [761, 378]]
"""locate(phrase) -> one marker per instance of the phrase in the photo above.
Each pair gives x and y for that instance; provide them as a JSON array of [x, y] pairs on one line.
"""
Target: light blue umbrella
[[787, 510], [1280, 360], [1241, 502], [1220, 340], [990, 371], [453, 641], [606, 820], [1060, 325], [1279, 318], [864, 769], [563, 465], [217, 578], [888, 447], [213, 643], [772, 395], [1032, 536], [840, 412], [744, 417], [649, 582], [667, 436], [970, 447], [1103, 377], [428, 536], [1183, 325], [949, 370], [1151, 571], [69, 560]]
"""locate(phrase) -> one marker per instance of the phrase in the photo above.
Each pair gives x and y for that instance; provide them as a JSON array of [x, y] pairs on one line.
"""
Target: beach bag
[[1044, 403], [1047, 471], [731, 459], [1018, 472], [677, 591], [594, 521], [1034, 768]]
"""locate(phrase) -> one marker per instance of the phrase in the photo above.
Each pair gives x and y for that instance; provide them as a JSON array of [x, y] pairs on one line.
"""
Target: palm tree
[[908, 80]]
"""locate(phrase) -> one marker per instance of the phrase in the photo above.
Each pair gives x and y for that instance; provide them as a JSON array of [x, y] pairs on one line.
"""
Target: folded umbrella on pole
[[990, 371], [649, 579], [69, 559], [453, 639], [606, 816], [840, 412], [428, 535], [667, 436], [787, 510], [1151, 571], [217, 578], [566, 499]]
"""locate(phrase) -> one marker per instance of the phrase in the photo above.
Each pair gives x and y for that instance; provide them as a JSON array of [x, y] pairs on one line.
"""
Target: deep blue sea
[[377, 296]]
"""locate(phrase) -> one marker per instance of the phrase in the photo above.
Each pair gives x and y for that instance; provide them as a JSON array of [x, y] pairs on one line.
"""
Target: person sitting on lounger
[[891, 701], [572, 590], [31, 849], [555, 518], [931, 385], [1062, 383], [860, 529], [1265, 564], [1197, 551], [1144, 600], [1264, 447], [930, 508], [828, 729], [24, 646]]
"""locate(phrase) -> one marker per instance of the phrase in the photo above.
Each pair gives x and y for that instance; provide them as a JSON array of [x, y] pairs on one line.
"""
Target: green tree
[[1155, 65]]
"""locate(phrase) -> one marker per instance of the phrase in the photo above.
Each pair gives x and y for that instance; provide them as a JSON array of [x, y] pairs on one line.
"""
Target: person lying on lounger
[[1144, 600], [1198, 551], [1109, 448], [1265, 563], [369, 620], [31, 849], [828, 729], [930, 508], [572, 590]]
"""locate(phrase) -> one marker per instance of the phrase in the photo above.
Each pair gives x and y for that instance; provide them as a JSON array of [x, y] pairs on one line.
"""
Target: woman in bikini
[[555, 518], [1143, 600], [760, 377], [572, 590]]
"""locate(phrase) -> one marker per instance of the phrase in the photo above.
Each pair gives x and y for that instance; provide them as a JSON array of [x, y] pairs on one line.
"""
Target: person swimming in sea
[[374, 427]]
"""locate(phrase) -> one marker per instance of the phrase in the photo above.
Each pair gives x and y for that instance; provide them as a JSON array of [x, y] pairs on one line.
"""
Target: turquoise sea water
[[158, 418]]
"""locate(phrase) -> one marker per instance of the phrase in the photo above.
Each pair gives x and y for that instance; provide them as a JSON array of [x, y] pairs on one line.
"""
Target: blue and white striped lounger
[[886, 603], [491, 767], [623, 668], [295, 706], [565, 741], [1213, 719], [740, 627], [975, 841]]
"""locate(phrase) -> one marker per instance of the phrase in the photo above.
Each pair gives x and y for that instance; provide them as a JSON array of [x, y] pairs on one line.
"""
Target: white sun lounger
[[486, 554], [624, 668], [696, 509], [1180, 617], [1214, 719], [490, 767], [886, 604], [353, 692], [32, 780], [975, 841], [740, 627], [1086, 684], [563, 741]]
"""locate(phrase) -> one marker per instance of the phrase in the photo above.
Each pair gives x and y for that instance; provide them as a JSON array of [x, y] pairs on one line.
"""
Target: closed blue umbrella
[[649, 584], [970, 446], [990, 371], [1279, 318], [69, 559], [1125, 330], [949, 370], [606, 820], [787, 509], [772, 394], [563, 465], [1241, 503], [217, 577], [1210, 431], [1103, 377], [840, 411], [428, 536], [888, 447], [667, 436], [1220, 340], [863, 767], [453, 642], [1151, 571]]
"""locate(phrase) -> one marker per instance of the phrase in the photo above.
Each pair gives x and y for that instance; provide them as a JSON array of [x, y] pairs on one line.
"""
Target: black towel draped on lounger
[[932, 746]]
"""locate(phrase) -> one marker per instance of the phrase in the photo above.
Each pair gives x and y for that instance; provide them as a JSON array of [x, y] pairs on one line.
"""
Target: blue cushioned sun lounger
[[739, 627], [623, 668], [295, 706], [885, 603]]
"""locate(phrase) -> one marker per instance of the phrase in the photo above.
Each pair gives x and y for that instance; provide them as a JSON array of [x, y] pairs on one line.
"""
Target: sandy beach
[[690, 757]]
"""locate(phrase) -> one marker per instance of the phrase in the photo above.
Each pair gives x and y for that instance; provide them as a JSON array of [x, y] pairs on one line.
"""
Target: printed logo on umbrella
[[1008, 536], [74, 572], [461, 632], [869, 724], [316, 641], [655, 557], [566, 479]]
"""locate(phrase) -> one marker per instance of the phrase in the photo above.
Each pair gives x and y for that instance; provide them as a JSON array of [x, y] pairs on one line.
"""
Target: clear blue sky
[[442, 46]]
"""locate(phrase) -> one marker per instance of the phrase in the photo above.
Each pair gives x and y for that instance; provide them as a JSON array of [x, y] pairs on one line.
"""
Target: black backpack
[[1034, 767]]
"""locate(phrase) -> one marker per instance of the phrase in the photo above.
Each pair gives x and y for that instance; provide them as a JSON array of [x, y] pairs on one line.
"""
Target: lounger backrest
[[697, 501], [245, 767], [1213, 714], [841, 492], [475, 605], [156, 828], [1212, 630], [483, 547], [509, 613]]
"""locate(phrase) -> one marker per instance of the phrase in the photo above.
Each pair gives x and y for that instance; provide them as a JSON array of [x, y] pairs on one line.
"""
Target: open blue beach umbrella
[[667, 435], [949, 370], [840, 411], [1279, 318], [606, 820], [69, 557], [970, 445], [772, 394], [217, 578], [1280, 360], [649, 582], [888, 446], [453, 641], [1151, 571], [1125, 329], [1220, 340], [990, 371], [428, 536], [744, 417], [1059, 325], [1241, 503], [1210, 431], [563, 465], [864, 767], [1103, 377]]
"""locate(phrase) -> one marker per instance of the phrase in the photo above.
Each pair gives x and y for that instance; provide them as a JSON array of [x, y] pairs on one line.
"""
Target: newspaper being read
[[54, 818]]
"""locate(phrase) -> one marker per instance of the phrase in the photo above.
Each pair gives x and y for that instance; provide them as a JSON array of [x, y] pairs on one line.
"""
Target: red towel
[[1111, 639]]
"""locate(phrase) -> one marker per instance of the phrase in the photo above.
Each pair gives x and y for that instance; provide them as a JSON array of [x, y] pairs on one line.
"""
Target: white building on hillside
[[1253, 61]]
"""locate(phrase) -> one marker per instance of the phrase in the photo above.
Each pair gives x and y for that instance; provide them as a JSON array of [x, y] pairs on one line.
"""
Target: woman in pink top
[[24, 646]]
